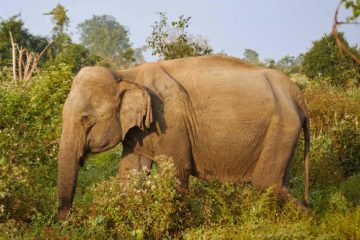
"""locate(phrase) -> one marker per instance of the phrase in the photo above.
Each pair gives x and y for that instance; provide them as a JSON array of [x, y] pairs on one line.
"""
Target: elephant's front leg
[[133, 161]]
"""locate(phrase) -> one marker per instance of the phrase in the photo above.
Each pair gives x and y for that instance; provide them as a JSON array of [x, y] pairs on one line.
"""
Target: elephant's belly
[[227, 168], [230, 155], [232, 119]]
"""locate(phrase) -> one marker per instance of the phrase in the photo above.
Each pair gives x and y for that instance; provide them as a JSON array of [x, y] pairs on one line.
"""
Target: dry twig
[[26, 62]]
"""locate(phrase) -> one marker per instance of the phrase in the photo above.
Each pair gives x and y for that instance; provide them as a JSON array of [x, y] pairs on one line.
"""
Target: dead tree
[[24, 62]]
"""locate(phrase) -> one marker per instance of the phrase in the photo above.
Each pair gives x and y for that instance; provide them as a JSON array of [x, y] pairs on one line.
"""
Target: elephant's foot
[[285, 194], [63, 214], [184, 187]]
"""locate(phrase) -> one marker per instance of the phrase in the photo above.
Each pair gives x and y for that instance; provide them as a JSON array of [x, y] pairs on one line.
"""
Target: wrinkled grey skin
[[218, 117]]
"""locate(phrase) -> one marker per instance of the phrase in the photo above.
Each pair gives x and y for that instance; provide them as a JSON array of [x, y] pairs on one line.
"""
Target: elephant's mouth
[[103, 148], [96, 146]]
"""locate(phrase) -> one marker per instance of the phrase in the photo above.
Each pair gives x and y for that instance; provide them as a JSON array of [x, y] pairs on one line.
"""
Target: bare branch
[[335, 33], [35, 57], [28, 63], [43, 51], [341, 23], [20, 62], [13, 56]]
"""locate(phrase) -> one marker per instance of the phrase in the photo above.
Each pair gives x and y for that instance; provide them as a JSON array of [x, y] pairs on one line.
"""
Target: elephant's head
[[97, 114]]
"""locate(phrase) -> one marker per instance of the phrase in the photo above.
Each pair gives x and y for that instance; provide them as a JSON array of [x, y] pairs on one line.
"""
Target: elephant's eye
[[84, 118], [87, 120]]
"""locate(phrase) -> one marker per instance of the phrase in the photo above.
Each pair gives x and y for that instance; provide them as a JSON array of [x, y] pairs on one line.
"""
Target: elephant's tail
[[306, 128]]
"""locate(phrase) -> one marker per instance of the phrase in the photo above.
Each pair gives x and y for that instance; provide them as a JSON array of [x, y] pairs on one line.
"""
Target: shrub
[[351, 189], [140, 207], [324, 58], [249, 215], [337, 115], [334, 119], [340, 225], [29, 129], [13, 183], [76, 56], [172, 41]]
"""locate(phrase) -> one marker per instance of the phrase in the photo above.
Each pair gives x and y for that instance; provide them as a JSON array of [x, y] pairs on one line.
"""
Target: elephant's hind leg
[[272, 167]]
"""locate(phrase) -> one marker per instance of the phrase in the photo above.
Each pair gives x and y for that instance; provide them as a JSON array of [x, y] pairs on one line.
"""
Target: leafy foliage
[[60, 38], [21, 36], [63, 50], [77, 56], [59, 18], [355, 6], [288, 64], [335, 114], [171, 42], [141, 207], [325, 59], [106, 37], [251, 55], [30, 127]]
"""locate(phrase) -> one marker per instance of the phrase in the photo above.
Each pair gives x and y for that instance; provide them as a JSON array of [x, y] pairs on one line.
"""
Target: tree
[[269, 63], [21, 36], [251, 56], [173, 41], [106, 37], [325, 58], [354, 5], [61, 22], [77, 56], [63, 49], [290, 64], [138, 54]]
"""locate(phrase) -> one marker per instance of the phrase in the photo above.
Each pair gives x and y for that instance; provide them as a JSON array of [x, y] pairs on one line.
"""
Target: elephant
[[218, 117]]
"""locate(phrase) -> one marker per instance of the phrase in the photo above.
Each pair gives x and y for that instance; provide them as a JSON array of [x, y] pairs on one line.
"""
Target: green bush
[[351, 190], [340, 225], [29, 132], [325, 59], [335, 129], [141, 207], [76, 56]]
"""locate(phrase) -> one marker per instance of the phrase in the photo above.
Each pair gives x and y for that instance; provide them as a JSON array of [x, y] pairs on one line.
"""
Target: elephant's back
[[228, 92], [207, 61]]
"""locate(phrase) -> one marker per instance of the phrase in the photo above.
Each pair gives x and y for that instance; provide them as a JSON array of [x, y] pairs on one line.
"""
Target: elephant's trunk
[[71, 151]]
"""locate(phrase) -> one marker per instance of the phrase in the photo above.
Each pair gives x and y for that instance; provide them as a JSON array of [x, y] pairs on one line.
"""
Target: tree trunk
[[20, 61], [13, 45]]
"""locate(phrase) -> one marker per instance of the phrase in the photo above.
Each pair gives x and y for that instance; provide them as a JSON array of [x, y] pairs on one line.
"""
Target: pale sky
[[274, 28]]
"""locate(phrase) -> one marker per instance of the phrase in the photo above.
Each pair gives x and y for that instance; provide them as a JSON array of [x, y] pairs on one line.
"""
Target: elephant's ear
[[135, 106]]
